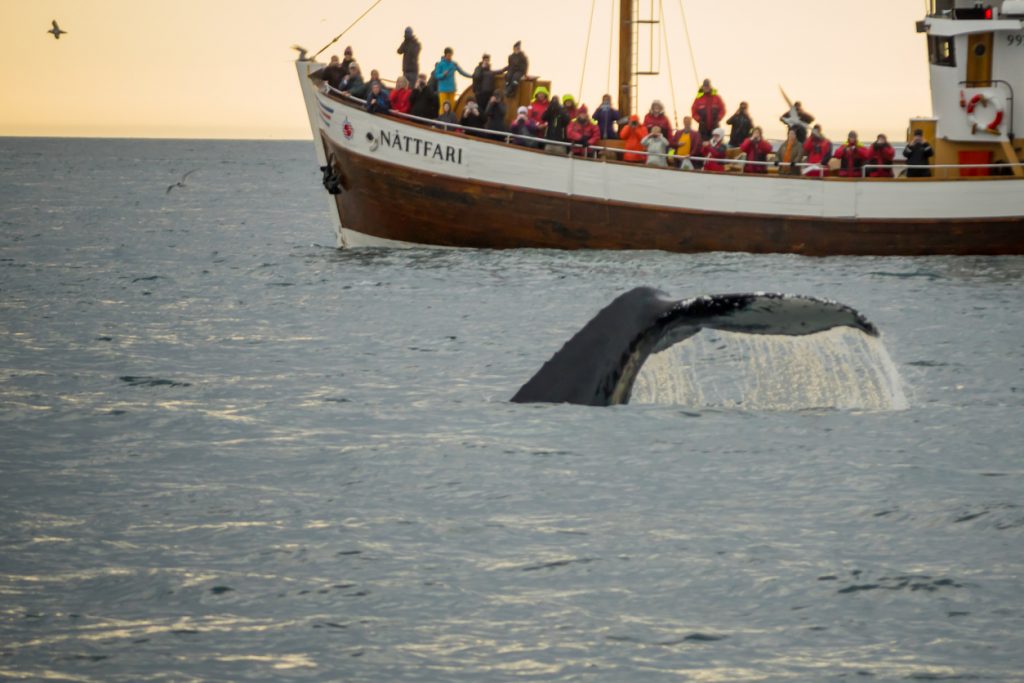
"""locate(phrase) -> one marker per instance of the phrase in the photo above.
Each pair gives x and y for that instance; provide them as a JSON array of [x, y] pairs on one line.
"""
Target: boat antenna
[[689, 44], [586, 50], [338, 37], [668, 58]]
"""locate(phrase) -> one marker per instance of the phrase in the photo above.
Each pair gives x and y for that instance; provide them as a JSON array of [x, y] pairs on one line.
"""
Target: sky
[[224, 68]]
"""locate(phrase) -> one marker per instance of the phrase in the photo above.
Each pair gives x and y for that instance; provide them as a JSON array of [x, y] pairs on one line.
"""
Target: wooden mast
[[626, 57]]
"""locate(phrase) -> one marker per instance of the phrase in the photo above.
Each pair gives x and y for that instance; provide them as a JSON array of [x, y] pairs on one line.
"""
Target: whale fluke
[[598, 366]]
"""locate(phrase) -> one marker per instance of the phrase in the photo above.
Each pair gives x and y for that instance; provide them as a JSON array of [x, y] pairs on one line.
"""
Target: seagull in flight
[[180, 183], [56, 30]]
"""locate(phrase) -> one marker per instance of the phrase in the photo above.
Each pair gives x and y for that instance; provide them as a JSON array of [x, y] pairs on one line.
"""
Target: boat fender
[[976, 108], [332, 181]]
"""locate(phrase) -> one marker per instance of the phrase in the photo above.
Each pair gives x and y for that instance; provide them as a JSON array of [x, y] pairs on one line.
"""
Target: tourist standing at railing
[[410, 51], [377, 101], [471, 117], [483, 80], [633, 133], [789, 154], [348, 61], [656, 146], [582, 132], [494, 112], [524, 127], [656, 117], [714, 150], [607, 118], [375, 78], [798, 120], [687, 142], [708, 109], [539, 105], [819, 150], [400, 96], [444, 72], [852, 157], [880, 155], [516, 70], [918, 153], [423, 101], [554, 123], [332, 74], [757, 149], [741, 125], [569, 105], [354, 84], [447, 116]]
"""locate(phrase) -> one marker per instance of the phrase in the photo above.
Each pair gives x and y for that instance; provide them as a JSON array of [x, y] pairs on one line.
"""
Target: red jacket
[[851, 159], [714, 152], [587, 133], [633, 135], [882, 155], [400, 100], [536, 111], [819, 151], [756, 151], [708, 110], [650, 121]]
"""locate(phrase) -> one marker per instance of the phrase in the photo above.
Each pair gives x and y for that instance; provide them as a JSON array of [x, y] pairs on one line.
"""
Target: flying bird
[[56, 30], [302, 53], [180, 183]]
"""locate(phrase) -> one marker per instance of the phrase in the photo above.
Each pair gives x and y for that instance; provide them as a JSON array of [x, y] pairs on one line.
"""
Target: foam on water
[[841, 368]]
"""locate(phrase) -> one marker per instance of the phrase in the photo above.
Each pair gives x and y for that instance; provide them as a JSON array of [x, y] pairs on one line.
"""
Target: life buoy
[[985, 112]]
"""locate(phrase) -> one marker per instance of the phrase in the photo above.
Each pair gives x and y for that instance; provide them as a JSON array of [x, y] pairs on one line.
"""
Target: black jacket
[[425, 103], [483, 82], [410, 51]]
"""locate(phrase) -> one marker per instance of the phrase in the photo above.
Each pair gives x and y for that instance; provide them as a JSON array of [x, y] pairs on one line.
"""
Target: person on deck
[[607, 118], [555, 124], [348, 61], [472, 118], [444, 72], [516, 70], [525, 127], [656, 117], [799, 120], [917, 153], [569, 105], [494, 112], [713, 150], [332, 74], [410, 51], [377, 101], [880, 156], [708, 109], [741, 126], [656, 146], [852, 157], [819, 151], [757, 149], [483, 80], [539, 105], [582, 132], [423, 101], [687, 142], [633, 133], [789, 154], [400, 96], [354, 84], [447, 116]]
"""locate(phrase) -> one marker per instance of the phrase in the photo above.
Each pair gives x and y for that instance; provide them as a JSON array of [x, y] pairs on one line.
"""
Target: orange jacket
[[633, 134]]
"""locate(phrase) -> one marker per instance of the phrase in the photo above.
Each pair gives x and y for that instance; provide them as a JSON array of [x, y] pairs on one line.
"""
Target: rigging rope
[[689, 44], [338, 37], [586, 52], [611, 42], [668, 58]]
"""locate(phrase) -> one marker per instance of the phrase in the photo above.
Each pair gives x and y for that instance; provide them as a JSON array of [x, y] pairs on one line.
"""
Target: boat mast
[[626, 69]]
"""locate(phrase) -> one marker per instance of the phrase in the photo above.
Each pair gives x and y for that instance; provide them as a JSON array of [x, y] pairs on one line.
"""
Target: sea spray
[[841, 368]]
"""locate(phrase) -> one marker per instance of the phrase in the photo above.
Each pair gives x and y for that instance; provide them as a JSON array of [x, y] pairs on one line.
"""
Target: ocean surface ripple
[[233, 452]]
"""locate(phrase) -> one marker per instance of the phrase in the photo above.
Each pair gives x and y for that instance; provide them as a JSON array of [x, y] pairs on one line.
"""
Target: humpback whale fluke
[[599, 364]]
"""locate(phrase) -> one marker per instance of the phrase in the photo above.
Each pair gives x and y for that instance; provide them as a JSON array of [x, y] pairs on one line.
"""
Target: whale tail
[[599, 365]]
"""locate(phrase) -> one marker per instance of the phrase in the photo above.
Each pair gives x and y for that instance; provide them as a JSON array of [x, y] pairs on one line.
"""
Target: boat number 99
[[1017, 40]]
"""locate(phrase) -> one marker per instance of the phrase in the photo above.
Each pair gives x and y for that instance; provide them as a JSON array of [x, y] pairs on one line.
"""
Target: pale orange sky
[[223, 68]]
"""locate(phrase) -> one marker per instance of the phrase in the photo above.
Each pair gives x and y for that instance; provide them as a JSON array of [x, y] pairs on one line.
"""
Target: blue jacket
[[379, 104], [444, 72], [606, 118]]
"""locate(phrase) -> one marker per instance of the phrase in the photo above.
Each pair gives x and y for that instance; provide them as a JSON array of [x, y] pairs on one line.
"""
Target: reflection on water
[[841, 368]]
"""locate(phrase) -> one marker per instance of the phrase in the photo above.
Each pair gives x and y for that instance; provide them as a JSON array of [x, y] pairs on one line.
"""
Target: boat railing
[[611, 153], [972, 169]]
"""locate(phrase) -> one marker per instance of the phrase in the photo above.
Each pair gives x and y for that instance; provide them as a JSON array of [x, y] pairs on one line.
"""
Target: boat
[[396, 180]]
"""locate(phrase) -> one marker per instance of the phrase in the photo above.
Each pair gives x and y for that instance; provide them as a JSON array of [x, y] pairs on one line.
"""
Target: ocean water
[[229, 451]]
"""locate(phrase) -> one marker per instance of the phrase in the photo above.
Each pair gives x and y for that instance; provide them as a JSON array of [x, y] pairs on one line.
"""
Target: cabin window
[[940, 51]]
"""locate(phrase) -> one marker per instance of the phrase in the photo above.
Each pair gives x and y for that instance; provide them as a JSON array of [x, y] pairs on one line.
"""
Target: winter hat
[[718, 132], [541, 89], [408, 31], [522, 110], [568, 98], [582, 111]]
